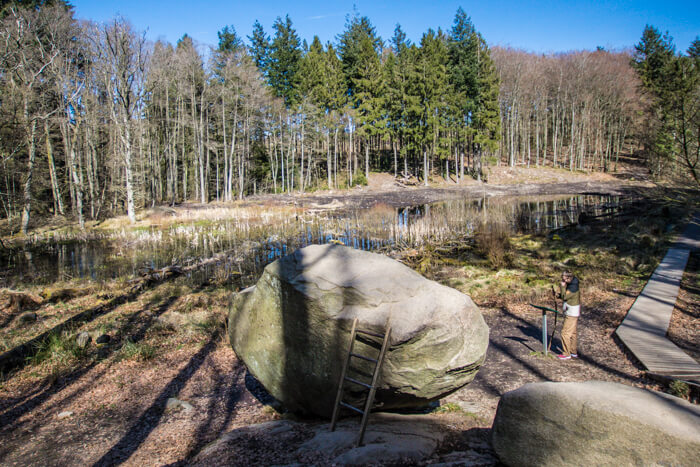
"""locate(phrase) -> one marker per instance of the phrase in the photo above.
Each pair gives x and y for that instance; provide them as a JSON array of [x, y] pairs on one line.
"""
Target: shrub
[[494, 244], [680, 389], [136, 350], [646, 242], [59, 348], [359, 179]]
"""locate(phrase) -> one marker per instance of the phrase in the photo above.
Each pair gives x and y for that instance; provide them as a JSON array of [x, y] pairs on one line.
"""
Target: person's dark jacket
[[571, 294]]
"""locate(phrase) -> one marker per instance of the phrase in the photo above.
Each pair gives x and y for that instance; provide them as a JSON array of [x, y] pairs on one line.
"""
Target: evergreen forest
[[97, 121]]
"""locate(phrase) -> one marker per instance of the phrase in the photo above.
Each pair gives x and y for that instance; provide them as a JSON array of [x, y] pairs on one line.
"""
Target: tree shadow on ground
[[133, 329], [476, 441], [20, 356], [137, 433]]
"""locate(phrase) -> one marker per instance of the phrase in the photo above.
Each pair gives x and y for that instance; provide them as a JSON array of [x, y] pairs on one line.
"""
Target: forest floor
[[111, 403], [684, 329]]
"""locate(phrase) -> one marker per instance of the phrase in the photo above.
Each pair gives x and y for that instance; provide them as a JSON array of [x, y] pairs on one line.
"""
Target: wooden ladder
[[372, 388]]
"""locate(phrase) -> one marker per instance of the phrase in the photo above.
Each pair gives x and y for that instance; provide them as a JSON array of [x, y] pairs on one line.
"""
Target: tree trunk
[[130, 208], [78, 186], [57, 201], [301, 164], [329, 169], [425, 167], [367, 159], [31, 148]]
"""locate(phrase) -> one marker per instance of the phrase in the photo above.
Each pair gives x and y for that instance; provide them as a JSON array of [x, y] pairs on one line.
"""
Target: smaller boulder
[[103, 339], [595, 423], [83, 339], [176, 404], [64, 414], [28, 317]]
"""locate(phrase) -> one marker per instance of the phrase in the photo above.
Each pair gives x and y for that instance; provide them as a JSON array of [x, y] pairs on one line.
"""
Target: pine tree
[[463, 74], [284, 60], [312, 74], [334, 81], [368, 95], [397, 68], [652, 58], [260, 48], [360, 49], [5, 5], [229, 40], [229, 43], [414, 108], [475, 109], [681, 105], [694, 49], [487, 120], [463, 66], [399, 41], [354, 45], [432, 88], [653, 61]]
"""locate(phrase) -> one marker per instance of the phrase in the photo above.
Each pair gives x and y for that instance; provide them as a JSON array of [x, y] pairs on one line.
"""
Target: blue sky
[[540, 26]]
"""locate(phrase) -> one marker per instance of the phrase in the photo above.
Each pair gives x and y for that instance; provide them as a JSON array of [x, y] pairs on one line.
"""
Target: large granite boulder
[[292, 329], [595, 423]]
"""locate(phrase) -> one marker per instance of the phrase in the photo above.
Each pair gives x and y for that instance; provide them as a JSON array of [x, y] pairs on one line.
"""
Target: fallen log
[[12, 301]]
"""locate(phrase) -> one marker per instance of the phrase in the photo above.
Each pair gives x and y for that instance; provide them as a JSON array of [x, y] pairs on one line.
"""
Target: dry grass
[[505, 175], [500, 268], [167, 317], [493, 242]]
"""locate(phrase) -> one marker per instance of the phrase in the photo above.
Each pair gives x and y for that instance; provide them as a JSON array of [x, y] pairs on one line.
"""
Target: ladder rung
[[363, 357], [353, 380], [351, 407], [381, 336]]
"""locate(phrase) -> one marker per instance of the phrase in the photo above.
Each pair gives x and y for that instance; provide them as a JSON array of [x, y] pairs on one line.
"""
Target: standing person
[[570, 294]]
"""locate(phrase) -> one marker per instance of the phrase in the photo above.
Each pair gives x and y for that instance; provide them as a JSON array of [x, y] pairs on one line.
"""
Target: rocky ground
[[167, 384]]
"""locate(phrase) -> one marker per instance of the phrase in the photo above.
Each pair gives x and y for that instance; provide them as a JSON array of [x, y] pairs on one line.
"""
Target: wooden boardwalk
[[643, 331]]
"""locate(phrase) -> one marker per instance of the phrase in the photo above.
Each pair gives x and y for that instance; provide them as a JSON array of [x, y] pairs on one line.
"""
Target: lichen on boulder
[[292, 329]]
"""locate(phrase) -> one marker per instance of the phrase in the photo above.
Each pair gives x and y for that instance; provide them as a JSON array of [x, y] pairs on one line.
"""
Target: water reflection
[[245, 247]]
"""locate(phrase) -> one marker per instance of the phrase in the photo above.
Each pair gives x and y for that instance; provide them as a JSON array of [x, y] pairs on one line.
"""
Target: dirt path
[[515, 353]]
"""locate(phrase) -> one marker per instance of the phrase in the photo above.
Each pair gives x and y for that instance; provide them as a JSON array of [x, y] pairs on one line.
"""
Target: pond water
[[247, 246]]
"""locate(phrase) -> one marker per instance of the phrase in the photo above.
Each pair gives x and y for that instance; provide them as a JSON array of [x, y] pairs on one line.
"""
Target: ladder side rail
[[373, 390], [339, 396]]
